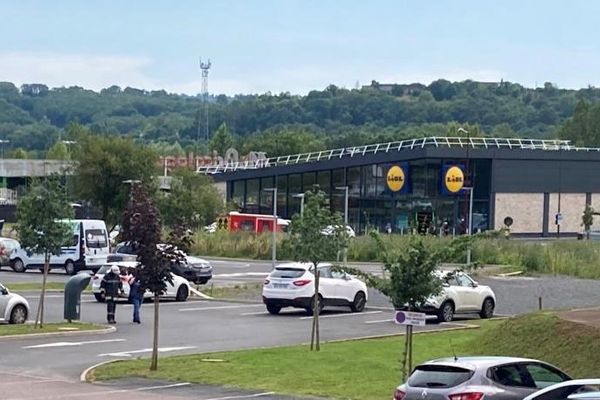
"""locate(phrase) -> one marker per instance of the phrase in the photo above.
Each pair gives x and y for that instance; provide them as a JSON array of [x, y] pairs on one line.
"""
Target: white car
[[179, 290], [328, 230], [14, 309], [460, 295], [293, 285], [576, 389]]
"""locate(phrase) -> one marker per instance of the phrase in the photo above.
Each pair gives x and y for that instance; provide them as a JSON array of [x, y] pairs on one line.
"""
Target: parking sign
[[410, 318]]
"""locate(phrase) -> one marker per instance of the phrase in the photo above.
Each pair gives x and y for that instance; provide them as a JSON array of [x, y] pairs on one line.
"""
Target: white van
[[88, 249]]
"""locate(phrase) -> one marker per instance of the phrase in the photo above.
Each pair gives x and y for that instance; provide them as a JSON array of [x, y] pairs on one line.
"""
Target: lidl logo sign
[[396, 178], [454, 179]]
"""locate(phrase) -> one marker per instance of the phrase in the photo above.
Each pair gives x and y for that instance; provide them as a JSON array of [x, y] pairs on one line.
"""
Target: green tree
[[409, 277], [103, 164], [141, 228], [58, 151], [282, 142], [308, 242], [193, 200], [222, 140], [39, 225]]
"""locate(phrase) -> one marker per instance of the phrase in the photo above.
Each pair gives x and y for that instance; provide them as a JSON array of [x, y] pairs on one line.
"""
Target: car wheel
[[309, 310], [202, 281], [446, 312], [273, 309], [18, 314], [360, 300], [182, 293], [70, 268], [100, 297], [17, 265], [487, 309]]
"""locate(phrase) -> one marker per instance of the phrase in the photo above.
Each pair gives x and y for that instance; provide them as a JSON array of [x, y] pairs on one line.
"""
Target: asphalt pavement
[[199, 326]]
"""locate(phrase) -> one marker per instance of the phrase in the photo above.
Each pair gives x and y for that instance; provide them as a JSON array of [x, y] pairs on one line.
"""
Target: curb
[[109, 329], [458, 328], [84, 374]]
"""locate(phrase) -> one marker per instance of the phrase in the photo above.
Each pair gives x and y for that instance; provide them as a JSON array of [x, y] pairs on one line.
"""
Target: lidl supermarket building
[[424, 184]]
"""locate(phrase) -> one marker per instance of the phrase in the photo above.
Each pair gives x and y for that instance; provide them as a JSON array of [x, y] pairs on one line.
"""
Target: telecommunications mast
[[205, 66]]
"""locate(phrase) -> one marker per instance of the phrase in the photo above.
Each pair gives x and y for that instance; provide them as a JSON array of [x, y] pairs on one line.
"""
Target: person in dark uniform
[[111, 284]]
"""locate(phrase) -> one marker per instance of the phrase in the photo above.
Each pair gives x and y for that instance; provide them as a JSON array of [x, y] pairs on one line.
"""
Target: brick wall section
[[571, 208], [526, 210]]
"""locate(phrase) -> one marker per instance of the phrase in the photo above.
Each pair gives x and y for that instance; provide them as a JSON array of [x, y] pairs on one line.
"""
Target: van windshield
[[96, 238]]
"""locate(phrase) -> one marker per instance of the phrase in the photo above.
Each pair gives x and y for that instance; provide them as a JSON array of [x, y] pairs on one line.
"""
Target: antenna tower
[[205, 66]]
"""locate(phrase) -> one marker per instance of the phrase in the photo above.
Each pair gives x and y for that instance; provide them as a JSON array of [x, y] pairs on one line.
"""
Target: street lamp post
[[301, 197], [131, 182], [274, 228], [69, 143], [345, 189]]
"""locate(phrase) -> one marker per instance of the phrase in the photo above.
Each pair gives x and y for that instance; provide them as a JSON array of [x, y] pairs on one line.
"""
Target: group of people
[[112, 285]]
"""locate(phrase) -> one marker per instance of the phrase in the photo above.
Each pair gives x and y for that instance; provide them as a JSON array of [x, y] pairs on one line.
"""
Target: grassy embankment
[[24, 329], [566, 257], [369, 369]]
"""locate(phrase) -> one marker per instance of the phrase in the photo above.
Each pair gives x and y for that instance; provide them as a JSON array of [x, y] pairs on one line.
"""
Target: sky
[[258, 46]]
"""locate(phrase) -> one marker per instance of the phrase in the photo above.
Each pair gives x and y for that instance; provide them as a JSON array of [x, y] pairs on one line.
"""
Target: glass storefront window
[[282, 195], [369, 180], [353, 181], [238, 189], [252, 193], [294, 188], [308, 180], [324, 181], [266, 197]]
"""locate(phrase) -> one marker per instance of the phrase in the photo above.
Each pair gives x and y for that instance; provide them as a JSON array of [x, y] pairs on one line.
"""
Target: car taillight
[[267, 281], [302, 282], [399, 394], [466, 396]]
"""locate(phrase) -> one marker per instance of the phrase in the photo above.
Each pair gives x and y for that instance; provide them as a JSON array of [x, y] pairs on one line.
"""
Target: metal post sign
[[410, 318]]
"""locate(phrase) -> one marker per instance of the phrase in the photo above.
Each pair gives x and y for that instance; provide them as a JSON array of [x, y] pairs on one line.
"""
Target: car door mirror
[[347, 276], [4, 291], [475, 284]]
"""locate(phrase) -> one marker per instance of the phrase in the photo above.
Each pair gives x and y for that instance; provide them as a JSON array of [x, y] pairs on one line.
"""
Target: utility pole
[[274, 228], [345, 189]]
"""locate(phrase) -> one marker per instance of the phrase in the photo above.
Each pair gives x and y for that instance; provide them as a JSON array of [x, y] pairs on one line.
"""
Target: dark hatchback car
[[478, 378], [193, 269]]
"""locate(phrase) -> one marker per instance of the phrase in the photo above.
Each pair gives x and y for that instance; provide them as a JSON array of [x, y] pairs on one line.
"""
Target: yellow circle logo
[[454, 179], [395, 178]]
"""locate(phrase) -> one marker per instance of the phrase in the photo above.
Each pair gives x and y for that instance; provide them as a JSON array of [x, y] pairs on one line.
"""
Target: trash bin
[[73, 288]]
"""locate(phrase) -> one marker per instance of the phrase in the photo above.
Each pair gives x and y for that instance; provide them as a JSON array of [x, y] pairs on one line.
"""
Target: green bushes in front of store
[[561, 257]]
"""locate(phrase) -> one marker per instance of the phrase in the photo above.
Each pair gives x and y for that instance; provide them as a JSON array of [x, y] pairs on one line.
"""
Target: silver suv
[[476, 378]]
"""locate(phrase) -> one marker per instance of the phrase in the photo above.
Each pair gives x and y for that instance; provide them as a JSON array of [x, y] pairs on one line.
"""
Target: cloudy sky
[[297, 45]]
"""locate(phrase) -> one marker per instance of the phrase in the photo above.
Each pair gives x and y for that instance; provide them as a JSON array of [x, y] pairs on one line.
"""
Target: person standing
[[111, 283], [135, 295]]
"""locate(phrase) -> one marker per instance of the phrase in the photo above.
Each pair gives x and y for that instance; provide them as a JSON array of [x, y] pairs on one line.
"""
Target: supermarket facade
[[425, 185]]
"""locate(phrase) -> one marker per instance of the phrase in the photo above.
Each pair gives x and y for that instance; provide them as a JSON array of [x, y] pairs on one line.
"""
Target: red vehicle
[[257, 223]]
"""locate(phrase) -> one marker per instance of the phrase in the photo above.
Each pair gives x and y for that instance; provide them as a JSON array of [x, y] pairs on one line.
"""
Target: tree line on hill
[[33, 117]]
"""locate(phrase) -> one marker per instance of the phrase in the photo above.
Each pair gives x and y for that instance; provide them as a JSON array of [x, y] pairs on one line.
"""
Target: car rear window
[[439, 376], [291, 273], [96, 238]]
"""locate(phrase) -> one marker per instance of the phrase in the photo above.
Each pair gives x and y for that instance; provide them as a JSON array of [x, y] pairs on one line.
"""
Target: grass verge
[[21, 287], [242, 292], [25, 329], [369, 369]]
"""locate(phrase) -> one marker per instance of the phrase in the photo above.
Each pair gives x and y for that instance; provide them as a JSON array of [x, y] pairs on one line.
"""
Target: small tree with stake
[[409, 278], [316, 236], [142, 230], [40, 228]]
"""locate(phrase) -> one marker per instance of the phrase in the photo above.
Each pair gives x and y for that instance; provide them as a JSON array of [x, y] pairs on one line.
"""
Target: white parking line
[[240, 274], [343, 315], [379, 321], [247, 396], [219, 307], [160, 350], [254, 313], [68, 344]]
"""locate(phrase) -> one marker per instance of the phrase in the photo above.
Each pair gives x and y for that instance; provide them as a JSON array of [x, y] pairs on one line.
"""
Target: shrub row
[[566, 257]]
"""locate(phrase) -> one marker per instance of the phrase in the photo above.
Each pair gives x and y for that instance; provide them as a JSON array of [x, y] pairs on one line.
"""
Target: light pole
[[274, 228], [131, 182], [345, 189], [470, 224], [2, 142], [69, 143], [301, 197]]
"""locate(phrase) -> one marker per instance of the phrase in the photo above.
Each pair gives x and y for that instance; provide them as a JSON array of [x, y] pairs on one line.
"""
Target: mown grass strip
[[25, 329]]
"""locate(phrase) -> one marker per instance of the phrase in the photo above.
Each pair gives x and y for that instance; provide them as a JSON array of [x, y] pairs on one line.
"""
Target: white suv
[[292, 285], [460, 295]]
